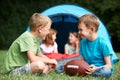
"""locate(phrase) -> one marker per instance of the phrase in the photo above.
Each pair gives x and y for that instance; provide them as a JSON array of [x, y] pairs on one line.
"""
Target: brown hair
[[49, 40], [37, 20], [89, 20], [75, 34]]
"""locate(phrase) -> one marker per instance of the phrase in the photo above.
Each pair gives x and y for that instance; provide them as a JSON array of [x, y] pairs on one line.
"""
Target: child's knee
[[40, 65], [104, 71], [37, 67], [107, 72]]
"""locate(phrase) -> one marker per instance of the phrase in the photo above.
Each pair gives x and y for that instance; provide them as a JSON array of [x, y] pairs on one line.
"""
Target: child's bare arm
[[108, 61]]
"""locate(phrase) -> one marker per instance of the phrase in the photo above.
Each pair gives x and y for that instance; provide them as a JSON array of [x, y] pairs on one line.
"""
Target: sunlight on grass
[[54, 76]]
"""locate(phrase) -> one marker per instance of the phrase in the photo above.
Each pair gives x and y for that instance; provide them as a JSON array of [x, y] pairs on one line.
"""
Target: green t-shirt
[[16, 55]]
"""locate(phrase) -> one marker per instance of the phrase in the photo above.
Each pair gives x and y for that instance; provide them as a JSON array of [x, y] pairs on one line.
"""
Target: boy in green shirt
[[24, 55]]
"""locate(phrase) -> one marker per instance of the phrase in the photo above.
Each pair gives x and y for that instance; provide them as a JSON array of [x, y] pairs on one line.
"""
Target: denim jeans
[[59, 69], [103, 71]]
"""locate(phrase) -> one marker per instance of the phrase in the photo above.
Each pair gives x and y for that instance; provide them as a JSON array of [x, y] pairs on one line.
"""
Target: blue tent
[[65, 19]]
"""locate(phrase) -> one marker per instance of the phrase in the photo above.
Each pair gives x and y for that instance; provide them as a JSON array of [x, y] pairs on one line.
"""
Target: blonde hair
[[49, 40], [37, 20], [89, 20]]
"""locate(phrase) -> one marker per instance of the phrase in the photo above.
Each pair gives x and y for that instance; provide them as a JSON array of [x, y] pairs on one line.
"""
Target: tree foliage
[[14, 15]]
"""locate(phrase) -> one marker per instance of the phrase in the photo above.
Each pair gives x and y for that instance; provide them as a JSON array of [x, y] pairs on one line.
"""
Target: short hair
[[89, 20], [49, 39], [37, 20]]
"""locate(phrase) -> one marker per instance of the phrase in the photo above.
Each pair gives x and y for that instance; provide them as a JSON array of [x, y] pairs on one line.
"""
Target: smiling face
[[72, 38], [54, 37], [84, 32], [88, 25], [39, 25]]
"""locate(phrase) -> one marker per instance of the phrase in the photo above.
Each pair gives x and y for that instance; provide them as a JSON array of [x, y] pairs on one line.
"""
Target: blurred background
[[15, 14]]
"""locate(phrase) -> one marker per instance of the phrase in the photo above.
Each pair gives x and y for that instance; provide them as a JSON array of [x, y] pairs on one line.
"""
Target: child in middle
[[49, 45], [72, 47]]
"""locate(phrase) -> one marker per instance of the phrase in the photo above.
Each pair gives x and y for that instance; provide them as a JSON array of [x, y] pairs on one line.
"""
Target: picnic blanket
[[59, 56]]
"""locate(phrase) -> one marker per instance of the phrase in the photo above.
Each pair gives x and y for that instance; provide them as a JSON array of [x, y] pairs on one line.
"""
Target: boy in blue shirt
[[94, 50]]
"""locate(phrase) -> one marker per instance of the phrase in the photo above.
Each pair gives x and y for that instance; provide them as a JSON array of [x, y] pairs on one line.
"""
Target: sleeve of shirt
[[107, 49], [56, 46], [26, 44], [67, 46], [42, 48]]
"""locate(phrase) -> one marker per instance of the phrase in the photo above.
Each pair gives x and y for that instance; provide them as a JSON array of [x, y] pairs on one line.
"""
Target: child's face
[[44, 31], [54, 37], [72, 38], [84, 32]]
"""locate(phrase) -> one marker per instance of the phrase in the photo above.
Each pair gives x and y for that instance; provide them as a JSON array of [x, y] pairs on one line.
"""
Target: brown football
[[76, 67]]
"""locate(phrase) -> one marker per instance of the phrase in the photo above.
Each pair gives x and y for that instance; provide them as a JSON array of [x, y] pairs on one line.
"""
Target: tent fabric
[[76, 11], [63, 14]]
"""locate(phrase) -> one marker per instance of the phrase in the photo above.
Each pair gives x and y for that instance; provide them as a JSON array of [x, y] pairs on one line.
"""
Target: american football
[[76, 67]]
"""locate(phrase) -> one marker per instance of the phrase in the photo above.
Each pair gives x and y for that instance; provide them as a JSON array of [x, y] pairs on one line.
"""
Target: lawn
[[54, 76]]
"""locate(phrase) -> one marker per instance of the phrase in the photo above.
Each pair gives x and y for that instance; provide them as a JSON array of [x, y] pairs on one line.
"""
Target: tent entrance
[[63, 23]]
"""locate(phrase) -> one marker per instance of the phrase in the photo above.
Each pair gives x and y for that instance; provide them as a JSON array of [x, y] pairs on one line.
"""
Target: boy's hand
[[53, 63], [91, 69], [52, 66]]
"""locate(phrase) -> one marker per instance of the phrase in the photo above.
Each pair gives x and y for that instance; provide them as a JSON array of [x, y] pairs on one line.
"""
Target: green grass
[[54, 76]]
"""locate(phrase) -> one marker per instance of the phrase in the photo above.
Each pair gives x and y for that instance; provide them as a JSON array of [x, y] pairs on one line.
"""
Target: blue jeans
[[104, 72], [59, 69]]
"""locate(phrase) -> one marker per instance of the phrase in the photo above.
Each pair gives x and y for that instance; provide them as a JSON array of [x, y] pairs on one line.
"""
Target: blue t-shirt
[[95, 51]]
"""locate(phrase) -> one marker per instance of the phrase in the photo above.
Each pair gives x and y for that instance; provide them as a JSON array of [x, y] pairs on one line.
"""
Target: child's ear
[[39, 29], [92, 29]]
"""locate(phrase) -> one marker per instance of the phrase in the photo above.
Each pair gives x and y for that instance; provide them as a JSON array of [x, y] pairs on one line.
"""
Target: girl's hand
[[77, 43]]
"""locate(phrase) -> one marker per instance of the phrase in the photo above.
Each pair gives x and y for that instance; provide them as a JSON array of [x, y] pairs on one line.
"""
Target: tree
[[16, 13]]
